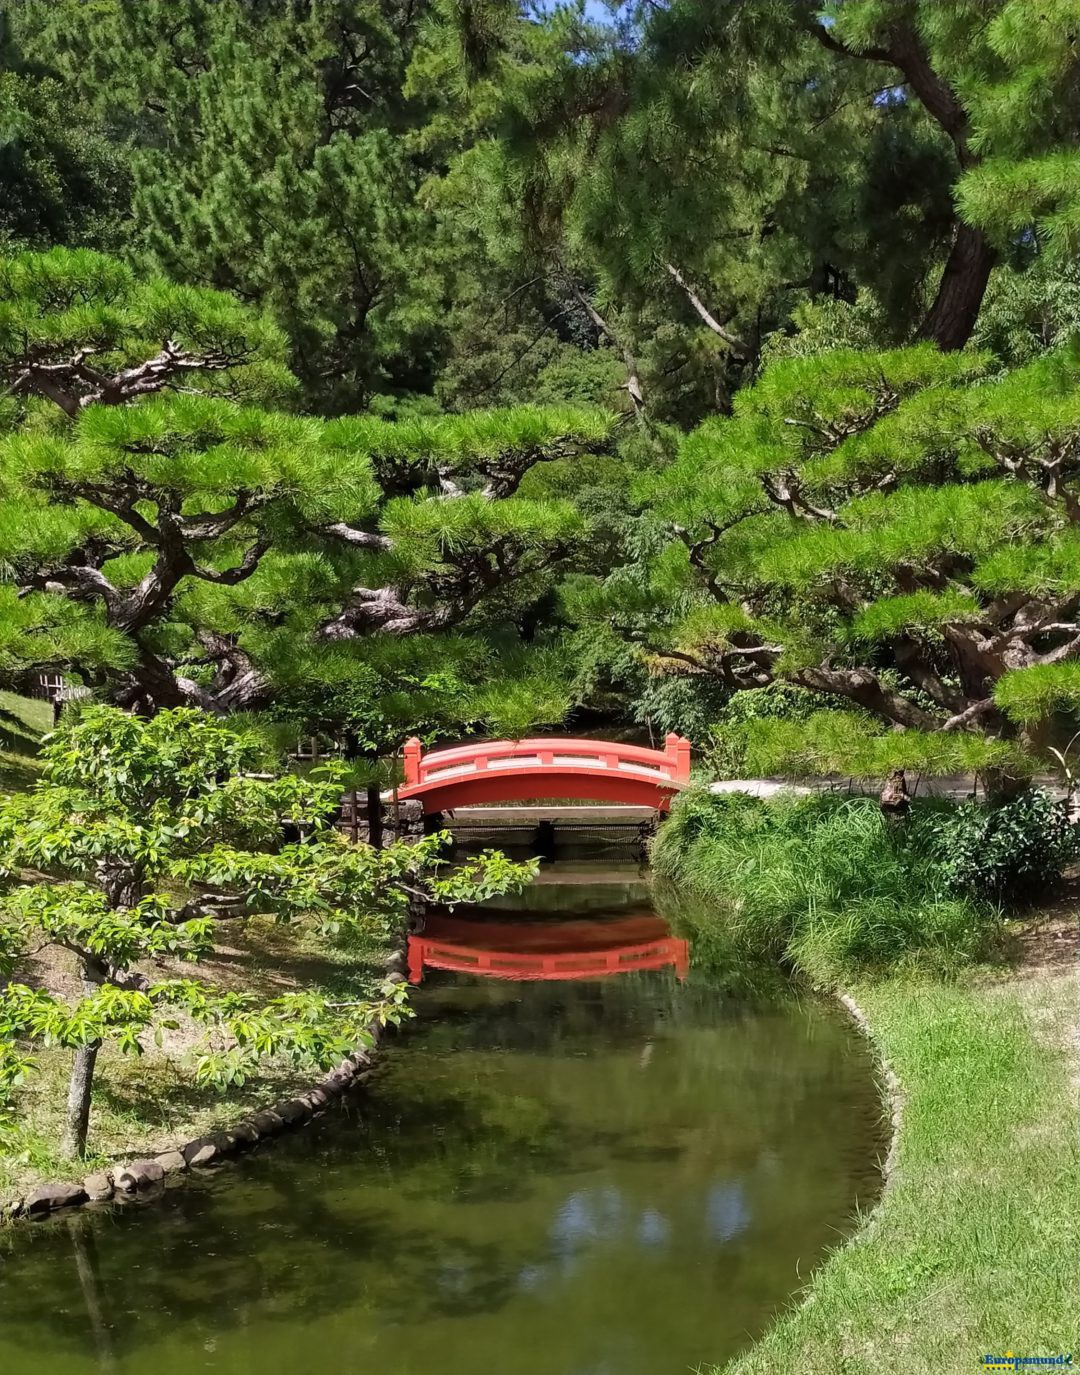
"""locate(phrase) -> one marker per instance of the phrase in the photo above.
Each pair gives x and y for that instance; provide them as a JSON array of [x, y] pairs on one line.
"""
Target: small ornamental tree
[[141, 837], [895, 532]]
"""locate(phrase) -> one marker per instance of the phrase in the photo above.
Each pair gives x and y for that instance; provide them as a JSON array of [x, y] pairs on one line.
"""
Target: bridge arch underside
[[525, 785]]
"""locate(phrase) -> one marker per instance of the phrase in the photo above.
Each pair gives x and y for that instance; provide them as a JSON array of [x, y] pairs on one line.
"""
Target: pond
[[620, 1175]]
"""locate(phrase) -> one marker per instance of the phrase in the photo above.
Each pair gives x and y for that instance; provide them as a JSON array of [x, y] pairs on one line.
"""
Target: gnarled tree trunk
[[1002, 786], [895, 800]]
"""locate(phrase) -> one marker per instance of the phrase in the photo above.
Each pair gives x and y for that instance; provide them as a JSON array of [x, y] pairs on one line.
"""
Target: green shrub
[[727, 749], [1017, 848], [824, 882]]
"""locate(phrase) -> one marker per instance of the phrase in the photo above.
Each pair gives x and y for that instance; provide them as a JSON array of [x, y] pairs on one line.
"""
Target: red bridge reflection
[[561, 950]]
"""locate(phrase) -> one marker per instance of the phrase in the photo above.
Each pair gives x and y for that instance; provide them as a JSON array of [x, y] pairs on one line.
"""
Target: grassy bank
[[23, 721], [148, 1103], [975, 1247], [825, 884]]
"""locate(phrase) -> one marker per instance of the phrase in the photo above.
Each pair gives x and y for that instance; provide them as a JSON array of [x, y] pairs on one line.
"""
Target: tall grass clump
[[825, 883]]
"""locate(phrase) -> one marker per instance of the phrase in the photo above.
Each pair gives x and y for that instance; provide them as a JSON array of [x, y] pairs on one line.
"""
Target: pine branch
[[214, 524], [371, 609], [75, 384], [229, 577], [1068, 650], [238, 683], [706, 316], [970, 714], [633, 379], [783, 490], [952, 315], [363, 539], [696, 549], [80, 582], [904, 49], [862, 686]]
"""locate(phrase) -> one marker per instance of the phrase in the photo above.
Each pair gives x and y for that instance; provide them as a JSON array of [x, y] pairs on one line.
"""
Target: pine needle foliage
[[172, 547], [895, 530], [79, 327], [269, 150]]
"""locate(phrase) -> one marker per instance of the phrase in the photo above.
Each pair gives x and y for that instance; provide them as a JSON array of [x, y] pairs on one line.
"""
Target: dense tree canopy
[[623, 325], [270, 154], [459, 200], [893, 531], [718, 165], [172, 550], [64, 180]]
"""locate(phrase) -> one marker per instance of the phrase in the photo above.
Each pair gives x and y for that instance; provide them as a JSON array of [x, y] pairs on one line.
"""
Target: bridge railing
[[669, 765]]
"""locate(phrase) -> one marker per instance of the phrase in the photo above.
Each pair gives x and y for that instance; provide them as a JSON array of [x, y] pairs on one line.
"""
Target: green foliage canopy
[[179, 548], [892, 530], [150, 832]]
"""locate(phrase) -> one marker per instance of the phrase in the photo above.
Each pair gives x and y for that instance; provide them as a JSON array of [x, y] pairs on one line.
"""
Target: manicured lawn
[[975, 1247], [23, 720]]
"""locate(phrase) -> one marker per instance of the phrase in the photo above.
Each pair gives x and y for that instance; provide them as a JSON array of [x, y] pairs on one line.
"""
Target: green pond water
[[617, 1176]]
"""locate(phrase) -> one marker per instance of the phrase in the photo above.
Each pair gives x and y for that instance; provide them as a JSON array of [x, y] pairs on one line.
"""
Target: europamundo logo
[[1012, 1362]]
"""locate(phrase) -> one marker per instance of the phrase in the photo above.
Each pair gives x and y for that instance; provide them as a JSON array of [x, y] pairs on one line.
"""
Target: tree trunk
[[86, 1263], [124, 886], [895, 801], [1003, 787], [373, 793], [952, 317], [374, 815], [77, 1117]]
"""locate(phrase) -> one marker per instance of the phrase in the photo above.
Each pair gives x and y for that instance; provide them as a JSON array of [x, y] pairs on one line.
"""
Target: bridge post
[[677, 747], [411, 759]]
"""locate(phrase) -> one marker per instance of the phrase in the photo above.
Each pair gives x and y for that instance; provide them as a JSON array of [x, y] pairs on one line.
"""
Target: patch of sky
[[615, 13]]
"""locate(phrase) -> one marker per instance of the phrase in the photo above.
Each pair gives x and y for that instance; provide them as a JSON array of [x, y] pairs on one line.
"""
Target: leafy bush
[[1019, 847], [686, 704], [824, 882], [729, 737]]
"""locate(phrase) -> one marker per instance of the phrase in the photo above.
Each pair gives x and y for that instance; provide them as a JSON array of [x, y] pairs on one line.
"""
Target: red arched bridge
[[549, 767]]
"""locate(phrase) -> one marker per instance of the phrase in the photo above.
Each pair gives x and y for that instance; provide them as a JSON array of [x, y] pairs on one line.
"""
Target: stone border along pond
[[147, 1176]]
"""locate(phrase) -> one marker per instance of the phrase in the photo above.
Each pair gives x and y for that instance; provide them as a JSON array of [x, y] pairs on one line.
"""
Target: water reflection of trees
[[729, 964], [685, 1107]]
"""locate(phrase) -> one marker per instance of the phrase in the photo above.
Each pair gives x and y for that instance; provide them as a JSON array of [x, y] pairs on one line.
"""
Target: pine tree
[[271, 151], [170, 548], [79, 328], [892, 532], [721, 165]]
